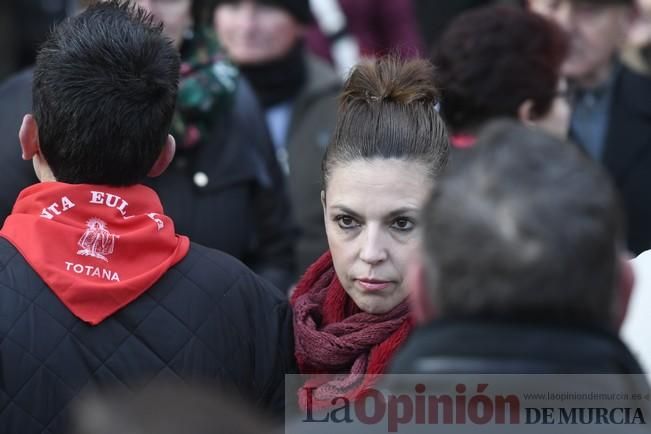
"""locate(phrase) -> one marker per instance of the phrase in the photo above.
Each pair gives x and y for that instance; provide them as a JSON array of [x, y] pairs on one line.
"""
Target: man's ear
[[164, 159], [624, 289], [28, 137], [525, 112], [420, 298]]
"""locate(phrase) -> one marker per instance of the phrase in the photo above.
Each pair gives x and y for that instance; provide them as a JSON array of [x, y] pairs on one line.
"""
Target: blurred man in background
[[298, 92], [611, 112]]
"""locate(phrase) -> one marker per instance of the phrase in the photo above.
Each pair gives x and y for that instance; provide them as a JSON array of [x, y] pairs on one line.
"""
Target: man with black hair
[[97, 288], [224, 188], [522, 267]]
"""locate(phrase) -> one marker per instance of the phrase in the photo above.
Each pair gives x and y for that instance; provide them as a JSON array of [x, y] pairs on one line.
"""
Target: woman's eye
[[346, 222], [403, 224]]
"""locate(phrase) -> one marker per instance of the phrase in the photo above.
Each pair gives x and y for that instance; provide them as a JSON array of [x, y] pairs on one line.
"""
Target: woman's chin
[[375, 305]]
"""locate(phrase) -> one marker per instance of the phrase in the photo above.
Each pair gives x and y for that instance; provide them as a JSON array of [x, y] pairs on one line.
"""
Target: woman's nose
[[373, 249]]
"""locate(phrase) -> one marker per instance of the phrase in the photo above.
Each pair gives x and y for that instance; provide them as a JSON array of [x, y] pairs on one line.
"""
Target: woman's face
[[176, 16], [372, 210], [255, 33]]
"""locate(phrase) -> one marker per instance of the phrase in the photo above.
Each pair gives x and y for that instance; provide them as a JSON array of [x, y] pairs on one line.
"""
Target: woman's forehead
[[378, 184]]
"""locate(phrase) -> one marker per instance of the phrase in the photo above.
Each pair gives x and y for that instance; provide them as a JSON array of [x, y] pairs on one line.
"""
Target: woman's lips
[[373, 284]]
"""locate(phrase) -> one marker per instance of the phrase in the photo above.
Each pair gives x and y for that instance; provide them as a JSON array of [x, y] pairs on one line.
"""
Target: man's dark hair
[[523, 226], [105, 87]]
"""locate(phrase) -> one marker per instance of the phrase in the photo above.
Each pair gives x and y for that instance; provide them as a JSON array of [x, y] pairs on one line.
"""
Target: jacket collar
[[514, 348]]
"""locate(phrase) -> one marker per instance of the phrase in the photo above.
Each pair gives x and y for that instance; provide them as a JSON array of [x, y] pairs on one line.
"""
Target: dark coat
[[466, 347], [208, 319], [228, 194], [15, 174], [445, 354], [627, 153]]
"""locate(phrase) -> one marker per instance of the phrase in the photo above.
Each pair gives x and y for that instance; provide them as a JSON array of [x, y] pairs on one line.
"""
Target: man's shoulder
[[219, 274], [633, 91]]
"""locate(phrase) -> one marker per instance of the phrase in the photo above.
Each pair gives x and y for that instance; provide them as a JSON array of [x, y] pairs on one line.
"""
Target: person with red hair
[[501, 61]]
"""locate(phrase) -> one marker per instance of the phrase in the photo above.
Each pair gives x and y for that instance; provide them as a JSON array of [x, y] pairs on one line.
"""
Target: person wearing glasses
[[501, 61]]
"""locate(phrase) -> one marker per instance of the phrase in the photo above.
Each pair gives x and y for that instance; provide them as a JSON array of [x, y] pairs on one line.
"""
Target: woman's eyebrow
[[395, 213], [346, 210], [402, 211]]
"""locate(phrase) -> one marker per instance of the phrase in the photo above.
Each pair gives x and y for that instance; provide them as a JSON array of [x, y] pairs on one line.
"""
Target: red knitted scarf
[[333, 336]]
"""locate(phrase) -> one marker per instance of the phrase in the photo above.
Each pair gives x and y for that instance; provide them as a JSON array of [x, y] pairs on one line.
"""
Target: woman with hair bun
[[350, 309]]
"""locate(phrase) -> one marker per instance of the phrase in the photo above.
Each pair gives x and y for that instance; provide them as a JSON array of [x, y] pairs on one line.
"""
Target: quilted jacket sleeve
[[270, 318], [283, 361]]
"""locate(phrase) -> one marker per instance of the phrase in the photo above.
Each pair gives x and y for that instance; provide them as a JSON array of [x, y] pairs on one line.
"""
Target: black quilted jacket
[[209, 319]]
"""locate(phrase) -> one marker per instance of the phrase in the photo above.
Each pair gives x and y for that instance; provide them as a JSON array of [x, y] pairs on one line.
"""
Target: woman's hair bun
[[388, 110], [390, 79]]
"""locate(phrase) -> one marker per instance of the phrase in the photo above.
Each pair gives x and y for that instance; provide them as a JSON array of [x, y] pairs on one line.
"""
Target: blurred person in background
[[544, 284], [380, 27], [97, 287], [224, 188], [298, 93], [167, 408], [7, 34], [501, 61], [350, 309], [31, 21], [435, 16], [25, 25], [637, 54], [611, 111]]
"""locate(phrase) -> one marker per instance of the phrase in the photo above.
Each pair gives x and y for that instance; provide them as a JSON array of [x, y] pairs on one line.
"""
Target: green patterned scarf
[[206, 88]]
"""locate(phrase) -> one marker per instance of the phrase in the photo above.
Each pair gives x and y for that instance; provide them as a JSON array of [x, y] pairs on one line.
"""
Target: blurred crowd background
[[249, 96], [261, 79], [24, 24]]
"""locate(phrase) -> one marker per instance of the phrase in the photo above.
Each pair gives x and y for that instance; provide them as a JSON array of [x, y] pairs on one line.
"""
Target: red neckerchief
[[463, 141], [97, 247]]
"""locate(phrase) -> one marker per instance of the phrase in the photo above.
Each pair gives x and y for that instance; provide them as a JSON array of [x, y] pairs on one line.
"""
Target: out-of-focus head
[[176, 16], [166, 408], [523, 227], [388, 148], [105, 86], [596, 30], [260, 31], [502, 61]]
